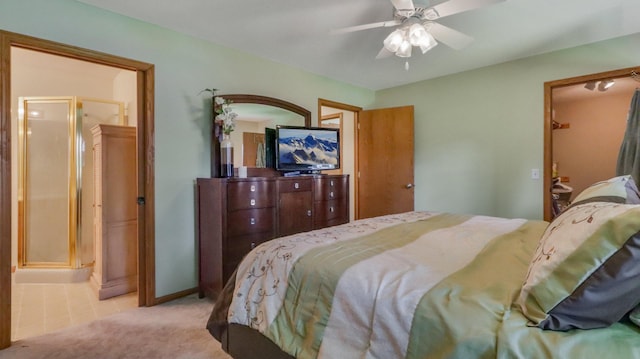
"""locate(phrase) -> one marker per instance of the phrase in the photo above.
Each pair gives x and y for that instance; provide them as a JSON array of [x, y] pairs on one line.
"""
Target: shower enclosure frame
[[76, 147]]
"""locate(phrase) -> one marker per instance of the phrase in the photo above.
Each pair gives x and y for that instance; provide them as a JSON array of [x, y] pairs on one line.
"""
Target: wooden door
[[385, 162], [250, 142]]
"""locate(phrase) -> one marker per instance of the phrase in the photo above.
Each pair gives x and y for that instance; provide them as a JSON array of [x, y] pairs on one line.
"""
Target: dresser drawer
[[237, 247], [249, 221], [331, 188], [250, 194], [298, 184], [329, 210]]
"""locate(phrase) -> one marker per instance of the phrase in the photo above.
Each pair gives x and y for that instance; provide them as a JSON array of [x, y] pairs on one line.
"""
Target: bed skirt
[[242, 342]]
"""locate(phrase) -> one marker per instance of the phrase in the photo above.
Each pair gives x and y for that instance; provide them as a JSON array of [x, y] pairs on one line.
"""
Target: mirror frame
[[216, 129]]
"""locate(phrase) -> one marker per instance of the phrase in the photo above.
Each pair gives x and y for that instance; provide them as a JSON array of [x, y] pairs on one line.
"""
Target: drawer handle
[[331, 194], [331, 183], [253, 188], [331, 209], [252, 202], [252, 221], [296, 185], [253, 245], [309, 213]]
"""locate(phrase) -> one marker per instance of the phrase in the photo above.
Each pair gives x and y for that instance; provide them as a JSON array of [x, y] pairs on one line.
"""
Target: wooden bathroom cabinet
[[115, 210]]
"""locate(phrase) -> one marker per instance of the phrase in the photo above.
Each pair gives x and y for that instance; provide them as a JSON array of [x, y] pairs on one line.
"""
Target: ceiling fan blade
[[403, 4], [345, 30], [450, 37], [457, 6], [383, 53]]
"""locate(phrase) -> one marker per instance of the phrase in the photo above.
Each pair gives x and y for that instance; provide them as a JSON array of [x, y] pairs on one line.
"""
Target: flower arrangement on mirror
[[225, 115], [224, 119], [223, 125]]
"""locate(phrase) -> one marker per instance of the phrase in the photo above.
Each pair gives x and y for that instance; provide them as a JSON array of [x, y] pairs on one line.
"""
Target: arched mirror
[[255, 115]]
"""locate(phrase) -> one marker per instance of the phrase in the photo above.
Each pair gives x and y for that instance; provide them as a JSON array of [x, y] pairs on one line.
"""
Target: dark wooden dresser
[[234, 215], [330, 201]]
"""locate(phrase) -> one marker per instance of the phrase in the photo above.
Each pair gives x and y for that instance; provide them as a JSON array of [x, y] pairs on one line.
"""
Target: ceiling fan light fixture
[[394, 40], [415, 35], [417, 32], [405, 49], [418, 26], [426, 48], [427, 42]]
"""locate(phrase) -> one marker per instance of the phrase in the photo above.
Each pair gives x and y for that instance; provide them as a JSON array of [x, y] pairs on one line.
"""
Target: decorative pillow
[[634, 316], [621, 189], [585, 271]]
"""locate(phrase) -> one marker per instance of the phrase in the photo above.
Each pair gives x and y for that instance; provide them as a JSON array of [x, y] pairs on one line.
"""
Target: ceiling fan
[[418, 26]]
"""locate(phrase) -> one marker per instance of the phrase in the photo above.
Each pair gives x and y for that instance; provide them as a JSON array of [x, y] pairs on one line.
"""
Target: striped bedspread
[[412, 285]]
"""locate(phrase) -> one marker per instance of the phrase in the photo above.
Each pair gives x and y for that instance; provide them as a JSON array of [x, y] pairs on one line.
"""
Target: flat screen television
[[307, 149]]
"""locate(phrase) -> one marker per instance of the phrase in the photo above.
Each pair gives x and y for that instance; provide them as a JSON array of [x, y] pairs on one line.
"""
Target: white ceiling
[[296, 32]]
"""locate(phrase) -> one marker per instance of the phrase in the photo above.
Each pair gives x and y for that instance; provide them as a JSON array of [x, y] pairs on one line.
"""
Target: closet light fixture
[[605, 85], [602, 86]]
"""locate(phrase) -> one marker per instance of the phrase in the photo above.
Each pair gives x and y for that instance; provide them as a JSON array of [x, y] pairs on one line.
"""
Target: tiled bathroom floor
[[42, 308]]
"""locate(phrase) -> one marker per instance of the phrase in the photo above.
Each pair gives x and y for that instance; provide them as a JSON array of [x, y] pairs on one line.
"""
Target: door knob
[[409, 185]]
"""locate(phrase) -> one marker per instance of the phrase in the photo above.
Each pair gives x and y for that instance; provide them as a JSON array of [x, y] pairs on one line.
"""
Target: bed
[[440, 285]]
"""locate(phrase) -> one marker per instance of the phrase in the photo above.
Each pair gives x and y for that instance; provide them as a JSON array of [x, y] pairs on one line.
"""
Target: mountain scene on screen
[[310, 150]]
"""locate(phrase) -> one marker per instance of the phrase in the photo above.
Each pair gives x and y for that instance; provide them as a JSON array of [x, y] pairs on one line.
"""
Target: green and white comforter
[[413, 285]]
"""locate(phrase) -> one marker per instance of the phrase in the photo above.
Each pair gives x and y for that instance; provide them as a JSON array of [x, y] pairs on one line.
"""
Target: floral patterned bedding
[[412, 285]]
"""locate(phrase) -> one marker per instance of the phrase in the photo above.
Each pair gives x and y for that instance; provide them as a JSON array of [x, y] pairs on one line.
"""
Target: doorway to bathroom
[[59, 264], [140, 111]]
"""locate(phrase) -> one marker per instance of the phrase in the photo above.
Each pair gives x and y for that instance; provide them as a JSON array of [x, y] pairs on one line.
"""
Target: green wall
[[183, 67], [479, 133]]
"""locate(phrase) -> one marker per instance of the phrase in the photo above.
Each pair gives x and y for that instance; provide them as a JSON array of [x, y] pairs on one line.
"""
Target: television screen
[[307, 149]]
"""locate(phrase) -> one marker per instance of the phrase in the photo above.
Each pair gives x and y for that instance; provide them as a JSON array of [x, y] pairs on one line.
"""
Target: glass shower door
[[56, 178], [45, 134]]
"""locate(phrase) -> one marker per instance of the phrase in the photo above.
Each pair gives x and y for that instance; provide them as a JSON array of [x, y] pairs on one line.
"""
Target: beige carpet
[[172, 330]]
